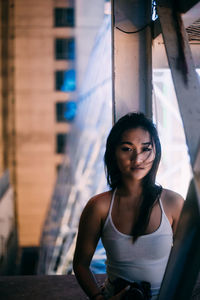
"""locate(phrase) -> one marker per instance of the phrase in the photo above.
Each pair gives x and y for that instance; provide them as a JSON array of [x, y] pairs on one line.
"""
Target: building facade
[[44, 46], [37, 58]]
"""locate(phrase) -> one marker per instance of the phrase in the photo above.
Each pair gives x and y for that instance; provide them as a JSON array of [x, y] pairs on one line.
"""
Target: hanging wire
[[136, 31], [154, 16]]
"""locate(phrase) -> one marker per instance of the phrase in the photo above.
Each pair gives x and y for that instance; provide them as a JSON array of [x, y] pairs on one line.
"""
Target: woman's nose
[[137, 157]]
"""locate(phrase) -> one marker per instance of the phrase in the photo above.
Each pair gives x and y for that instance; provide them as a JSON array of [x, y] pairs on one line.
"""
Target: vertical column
[[4, 81], [7, 140], [132, 66]]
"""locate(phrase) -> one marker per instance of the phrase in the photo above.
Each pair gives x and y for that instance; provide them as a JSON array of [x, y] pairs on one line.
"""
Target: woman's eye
[[126, 149], [147, 149]]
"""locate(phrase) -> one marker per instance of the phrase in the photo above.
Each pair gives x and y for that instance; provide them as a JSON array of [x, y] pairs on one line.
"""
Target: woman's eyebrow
[[129, 143], [147, 143]]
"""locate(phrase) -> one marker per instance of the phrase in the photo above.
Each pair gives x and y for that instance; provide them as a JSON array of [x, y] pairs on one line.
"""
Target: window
[[59, 79], [63, 168], [65, 111], [58, 167], [60, 142], [65, 48], [65, 81], [64, 17], [60, 111], [70, 112]]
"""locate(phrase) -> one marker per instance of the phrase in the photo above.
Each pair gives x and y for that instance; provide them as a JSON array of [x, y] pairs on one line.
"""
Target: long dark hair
[[150, 191]]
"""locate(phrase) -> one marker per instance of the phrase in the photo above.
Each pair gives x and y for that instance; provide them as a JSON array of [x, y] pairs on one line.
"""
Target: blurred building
[[39, 62], [38, 52]]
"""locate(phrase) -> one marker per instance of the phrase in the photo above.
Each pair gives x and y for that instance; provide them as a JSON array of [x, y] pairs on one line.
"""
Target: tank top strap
[[110, 210], [112, 201], [164, 217], [161, 205]]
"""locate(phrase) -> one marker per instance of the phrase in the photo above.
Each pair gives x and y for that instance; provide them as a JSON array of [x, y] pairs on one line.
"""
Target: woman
[[136, 219]]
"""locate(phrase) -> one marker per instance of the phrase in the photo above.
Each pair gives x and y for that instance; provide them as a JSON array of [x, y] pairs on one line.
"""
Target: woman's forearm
[[87, 281]]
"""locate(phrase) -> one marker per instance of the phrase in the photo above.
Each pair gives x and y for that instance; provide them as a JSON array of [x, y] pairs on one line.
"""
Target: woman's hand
[[121, 294]]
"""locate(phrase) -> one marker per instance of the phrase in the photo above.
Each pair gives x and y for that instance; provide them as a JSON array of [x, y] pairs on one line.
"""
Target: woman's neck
[[131, 188]]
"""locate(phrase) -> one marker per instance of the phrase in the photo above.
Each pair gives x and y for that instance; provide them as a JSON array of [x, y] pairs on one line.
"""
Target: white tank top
[[143, 260]]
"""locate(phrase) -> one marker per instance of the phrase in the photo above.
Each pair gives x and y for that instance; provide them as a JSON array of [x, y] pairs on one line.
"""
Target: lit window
[[65, 111], [60, 142], [65, 48], [64, 17], [65, 81], [70, 111]]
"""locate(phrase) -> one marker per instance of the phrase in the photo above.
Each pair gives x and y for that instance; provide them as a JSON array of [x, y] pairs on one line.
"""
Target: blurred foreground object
[[8, 231]]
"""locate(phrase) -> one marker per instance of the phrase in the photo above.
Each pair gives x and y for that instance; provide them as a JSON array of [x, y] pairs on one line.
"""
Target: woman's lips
[[137, 168]]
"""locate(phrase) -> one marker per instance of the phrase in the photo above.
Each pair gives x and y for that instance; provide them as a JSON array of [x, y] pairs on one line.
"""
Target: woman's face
[[135, 153]]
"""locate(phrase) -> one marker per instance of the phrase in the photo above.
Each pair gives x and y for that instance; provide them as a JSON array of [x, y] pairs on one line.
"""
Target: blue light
[[69, 84], [70, 111]]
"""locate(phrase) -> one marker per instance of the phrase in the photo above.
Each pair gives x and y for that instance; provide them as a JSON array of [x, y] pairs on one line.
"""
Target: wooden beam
[[197, 163], [156, 29], [184, 261], [185, 78], [196, 171], [189, 17], [185, 5], [180, 6]]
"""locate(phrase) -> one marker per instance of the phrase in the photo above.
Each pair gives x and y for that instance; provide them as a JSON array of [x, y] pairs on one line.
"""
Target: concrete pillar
[[132, 71]]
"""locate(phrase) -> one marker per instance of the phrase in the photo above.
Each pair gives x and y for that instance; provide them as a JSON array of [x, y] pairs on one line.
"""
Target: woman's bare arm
[[88, 236], [173, 204], [177, 208]]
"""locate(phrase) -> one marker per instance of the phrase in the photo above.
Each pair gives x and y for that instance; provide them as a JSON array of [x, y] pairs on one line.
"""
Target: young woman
[[136, 219]]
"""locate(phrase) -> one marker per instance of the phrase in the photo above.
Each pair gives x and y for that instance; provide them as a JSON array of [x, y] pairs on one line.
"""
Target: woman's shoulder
[[100, 203], [171, 196], [172, 200]]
